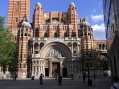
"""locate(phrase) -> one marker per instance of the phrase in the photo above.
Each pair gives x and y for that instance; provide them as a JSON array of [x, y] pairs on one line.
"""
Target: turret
[[38, 16], [25, 33], [85, 30], [72, 14]]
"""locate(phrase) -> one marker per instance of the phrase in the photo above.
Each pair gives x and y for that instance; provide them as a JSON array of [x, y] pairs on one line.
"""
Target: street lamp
[[89, 80]]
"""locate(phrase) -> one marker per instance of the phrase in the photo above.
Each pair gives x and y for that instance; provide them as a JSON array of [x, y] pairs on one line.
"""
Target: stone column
[[50, 69], [33, 48], [32, 68], [72, 49], [61, 68]]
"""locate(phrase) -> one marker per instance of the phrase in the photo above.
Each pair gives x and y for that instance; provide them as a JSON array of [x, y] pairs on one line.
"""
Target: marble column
[[50, 69], [61, 68]]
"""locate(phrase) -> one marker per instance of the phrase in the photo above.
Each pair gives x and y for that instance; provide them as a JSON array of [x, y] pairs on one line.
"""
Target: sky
[[91, 9]]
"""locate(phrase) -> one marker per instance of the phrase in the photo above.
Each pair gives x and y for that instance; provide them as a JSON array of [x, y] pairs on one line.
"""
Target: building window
[[65, 35], [20, 55], [36, 52], [20, 65], [17, 3], [45, 35], [25, 55], [16, 19], [55, 35], [41, 45], [25, 34], [24, 65]]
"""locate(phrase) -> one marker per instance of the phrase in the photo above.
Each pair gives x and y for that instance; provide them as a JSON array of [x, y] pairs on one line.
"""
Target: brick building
[[54, 42]]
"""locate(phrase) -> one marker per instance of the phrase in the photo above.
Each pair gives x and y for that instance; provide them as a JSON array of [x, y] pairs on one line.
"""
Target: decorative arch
[[60, 47]]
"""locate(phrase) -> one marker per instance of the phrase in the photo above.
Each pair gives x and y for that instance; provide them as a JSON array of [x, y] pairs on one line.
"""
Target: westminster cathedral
[[54, 42]]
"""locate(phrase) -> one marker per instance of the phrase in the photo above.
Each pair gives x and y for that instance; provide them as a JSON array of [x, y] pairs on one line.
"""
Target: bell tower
[[17, 9], [86, 34], [73, 19]]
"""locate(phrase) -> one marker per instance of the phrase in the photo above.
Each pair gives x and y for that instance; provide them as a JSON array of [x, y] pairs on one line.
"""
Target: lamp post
[[89, 81]]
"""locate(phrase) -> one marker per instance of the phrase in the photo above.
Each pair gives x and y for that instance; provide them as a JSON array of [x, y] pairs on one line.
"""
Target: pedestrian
[[41, 79], [115, 83], [14, 76], [94, 75], [72, 76], [59, 80], [84, 77], [57, 75]]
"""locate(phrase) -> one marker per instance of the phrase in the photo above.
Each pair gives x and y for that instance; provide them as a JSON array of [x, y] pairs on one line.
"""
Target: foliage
[[7, 46]]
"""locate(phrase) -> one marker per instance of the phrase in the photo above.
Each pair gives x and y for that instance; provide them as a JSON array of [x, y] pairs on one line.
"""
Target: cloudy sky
[[91, 9]]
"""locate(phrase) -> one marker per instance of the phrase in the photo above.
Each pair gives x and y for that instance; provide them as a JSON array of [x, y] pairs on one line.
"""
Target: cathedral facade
[[54, 43]]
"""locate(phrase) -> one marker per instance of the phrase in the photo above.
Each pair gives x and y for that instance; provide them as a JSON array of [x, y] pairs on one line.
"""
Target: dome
[[71, 5], [25, 24], [84, 22], [38, 4]]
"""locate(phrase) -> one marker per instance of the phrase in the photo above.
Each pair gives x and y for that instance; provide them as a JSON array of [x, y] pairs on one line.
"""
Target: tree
[[7, 46]]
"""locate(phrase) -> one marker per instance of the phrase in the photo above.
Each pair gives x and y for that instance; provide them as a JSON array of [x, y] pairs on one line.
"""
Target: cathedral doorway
[[46, 72], [55, 69], [64, 72]]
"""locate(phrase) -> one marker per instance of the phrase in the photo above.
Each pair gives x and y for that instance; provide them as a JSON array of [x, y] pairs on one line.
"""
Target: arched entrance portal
[[53, 59]]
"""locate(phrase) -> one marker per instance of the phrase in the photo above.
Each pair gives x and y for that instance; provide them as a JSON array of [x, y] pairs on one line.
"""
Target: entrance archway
[[54, 54]]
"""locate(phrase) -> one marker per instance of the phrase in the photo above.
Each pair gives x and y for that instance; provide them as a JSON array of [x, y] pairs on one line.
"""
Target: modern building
[[111, 20], [54, 43]]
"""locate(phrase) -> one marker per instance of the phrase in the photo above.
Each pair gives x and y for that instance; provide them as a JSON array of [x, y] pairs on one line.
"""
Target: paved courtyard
[[50, 83]]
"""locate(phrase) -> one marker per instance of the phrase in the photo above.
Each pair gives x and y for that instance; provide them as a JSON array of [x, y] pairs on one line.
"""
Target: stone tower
[[73, 18], [25, 33], [17, 9], [38, 16], [86, 34]]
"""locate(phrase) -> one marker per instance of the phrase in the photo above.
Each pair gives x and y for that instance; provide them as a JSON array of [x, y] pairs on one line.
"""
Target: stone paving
[[50, 83]]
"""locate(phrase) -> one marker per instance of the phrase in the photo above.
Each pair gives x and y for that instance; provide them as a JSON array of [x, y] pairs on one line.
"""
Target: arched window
[[25, 34], [65, 34], [74, 47], [36, 48], [24, 65], [55, 34], [41, 45], [74, 34], [103, 46], [45, 35], [99, 46], [69, 45], [28, 34], [20, 65], [21, 34], [85, 34]]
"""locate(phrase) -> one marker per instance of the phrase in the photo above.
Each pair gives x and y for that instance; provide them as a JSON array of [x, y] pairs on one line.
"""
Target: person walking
[[115, 83], [72, 76], [84, 77], [14, 76], [59, 80], [57, 75], [41, 79]]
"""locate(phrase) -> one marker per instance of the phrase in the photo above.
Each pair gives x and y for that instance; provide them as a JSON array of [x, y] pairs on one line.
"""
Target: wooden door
[[55, 69]]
